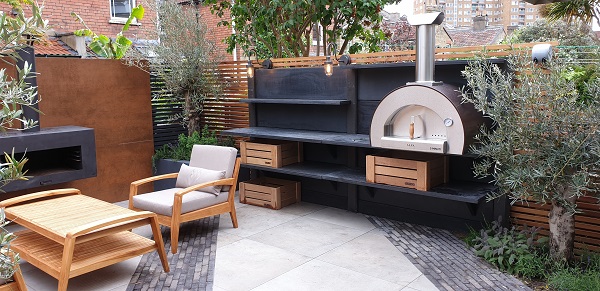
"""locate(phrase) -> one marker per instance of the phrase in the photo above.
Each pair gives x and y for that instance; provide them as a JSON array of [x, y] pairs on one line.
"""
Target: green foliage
[[17, 33], [104, 46], [534, 265], [17, 4], [12, 169], [572, 11], [575, 278], [582, 76], [545, 140], [185, 59], [15, 93], [575, 34], [9, 260], [506, 247], [285, 28], [183, 149]]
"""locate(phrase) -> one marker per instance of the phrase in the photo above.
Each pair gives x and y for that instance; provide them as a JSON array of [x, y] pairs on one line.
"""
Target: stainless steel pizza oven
[[425, 115]]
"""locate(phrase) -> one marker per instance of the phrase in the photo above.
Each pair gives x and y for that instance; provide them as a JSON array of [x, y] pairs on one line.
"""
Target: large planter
[[166, 166]]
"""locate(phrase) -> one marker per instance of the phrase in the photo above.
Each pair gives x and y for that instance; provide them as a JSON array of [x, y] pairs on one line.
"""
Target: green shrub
[[509, 249], [575, 279], [183, 149], [534, 265]]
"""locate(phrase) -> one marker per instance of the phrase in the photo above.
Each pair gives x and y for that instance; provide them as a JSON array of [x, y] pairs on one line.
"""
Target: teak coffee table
[[69, 234]]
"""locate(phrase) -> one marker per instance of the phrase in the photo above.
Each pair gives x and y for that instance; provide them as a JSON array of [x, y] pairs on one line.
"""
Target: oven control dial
[[448, 122]]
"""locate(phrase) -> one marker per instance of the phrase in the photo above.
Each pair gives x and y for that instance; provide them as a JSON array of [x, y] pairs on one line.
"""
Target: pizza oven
[[425, 115]]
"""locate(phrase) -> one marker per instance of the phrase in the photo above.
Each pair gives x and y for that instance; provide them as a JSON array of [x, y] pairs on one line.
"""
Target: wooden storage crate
[[419, 171], [270, 192], [271, 153]]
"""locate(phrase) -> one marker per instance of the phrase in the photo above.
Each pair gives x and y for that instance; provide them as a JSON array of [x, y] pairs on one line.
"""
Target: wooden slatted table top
[[55, 217]]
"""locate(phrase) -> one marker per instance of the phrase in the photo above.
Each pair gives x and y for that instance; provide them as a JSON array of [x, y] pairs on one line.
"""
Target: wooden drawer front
[[274, 154], [270, 192], [422, 174]]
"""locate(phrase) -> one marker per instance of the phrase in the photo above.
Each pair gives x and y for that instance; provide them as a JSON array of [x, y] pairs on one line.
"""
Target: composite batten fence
[[587, 223], [165, 128], [219, 112]]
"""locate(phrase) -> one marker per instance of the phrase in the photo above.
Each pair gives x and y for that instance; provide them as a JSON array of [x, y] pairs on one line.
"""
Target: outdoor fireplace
[[55, 155], [425, 115]]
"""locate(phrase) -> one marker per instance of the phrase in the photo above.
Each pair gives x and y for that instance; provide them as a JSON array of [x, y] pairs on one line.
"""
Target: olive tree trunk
[[562, 227], [193, 121]]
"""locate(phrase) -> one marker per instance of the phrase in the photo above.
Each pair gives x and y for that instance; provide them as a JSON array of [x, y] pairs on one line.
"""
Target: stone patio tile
[[374, 255], [343, 217], [252, 220], [246, 264], [421, 284], [319, 275], [302, 208], [307, 236]]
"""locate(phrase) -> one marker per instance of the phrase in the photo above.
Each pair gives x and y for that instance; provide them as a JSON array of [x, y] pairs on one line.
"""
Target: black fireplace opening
[[51, 161]]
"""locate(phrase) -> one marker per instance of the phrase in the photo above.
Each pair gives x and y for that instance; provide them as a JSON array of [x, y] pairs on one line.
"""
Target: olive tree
[[16, 32], [545, 140], [185, 58]]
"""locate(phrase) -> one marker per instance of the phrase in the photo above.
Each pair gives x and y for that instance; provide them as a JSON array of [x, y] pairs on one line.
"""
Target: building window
[[120, 9]]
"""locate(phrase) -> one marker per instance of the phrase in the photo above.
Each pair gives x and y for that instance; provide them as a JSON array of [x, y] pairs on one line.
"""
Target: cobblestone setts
[[444, 259], [192, 267]]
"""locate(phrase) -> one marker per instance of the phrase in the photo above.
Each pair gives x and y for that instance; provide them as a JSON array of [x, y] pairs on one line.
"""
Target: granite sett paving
[[444, 259], [192, 267]]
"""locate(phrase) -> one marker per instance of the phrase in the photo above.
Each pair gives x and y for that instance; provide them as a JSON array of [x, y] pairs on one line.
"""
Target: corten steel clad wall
[[114, 100]]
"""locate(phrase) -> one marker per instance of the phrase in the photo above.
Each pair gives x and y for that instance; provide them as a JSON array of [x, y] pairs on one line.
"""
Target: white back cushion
[[190, 176]]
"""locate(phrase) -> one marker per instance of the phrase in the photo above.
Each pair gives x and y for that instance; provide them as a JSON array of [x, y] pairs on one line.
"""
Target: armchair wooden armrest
[[224, 182], [38, 195], [133, 188], [155, 178]]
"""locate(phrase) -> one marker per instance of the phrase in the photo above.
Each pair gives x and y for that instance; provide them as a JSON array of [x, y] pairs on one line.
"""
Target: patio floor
[[307, 247]]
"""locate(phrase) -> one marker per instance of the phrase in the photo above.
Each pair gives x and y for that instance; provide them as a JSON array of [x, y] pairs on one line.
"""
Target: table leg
[[67, 259], [160, 246]]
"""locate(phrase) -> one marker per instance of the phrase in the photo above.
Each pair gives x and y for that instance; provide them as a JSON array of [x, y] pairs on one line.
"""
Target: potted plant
[[168, 158], [17, 32], [10, 273]]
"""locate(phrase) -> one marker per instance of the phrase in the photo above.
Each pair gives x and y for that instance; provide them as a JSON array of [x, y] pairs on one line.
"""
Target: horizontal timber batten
[[587, 223]]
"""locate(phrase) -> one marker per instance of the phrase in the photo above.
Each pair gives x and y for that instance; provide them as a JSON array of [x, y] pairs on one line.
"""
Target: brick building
[[108, 16]]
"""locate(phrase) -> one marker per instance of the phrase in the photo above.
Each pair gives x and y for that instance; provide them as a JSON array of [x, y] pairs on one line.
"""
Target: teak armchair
[[197, 193]]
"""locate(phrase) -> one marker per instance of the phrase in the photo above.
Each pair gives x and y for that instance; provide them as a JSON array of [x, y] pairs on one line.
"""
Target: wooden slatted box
[[414, 170], [270, 192], [271, 153]]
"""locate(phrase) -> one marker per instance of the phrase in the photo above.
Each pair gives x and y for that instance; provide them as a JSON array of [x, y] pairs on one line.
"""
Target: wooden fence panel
[[587, 223]]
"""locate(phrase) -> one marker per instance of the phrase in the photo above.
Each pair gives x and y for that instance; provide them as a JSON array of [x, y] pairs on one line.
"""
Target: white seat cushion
[[161, 202]]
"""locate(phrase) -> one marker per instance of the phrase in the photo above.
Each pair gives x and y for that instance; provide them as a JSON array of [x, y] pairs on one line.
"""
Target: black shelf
[[295, 101], [332, 138], [468, 192]]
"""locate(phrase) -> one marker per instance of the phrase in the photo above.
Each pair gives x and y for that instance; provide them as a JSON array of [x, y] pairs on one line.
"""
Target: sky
[[404, 7]]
